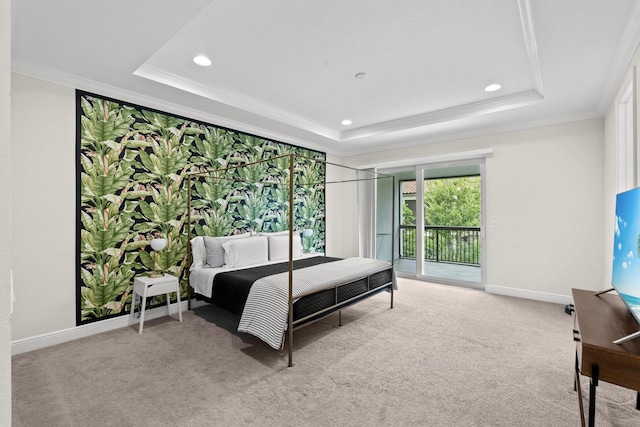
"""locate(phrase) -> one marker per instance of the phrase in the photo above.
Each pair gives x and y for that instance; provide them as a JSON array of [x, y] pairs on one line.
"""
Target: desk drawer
[[162, 288]]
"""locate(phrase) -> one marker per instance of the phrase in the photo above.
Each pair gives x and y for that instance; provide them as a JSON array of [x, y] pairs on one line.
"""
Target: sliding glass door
[[440, 222]]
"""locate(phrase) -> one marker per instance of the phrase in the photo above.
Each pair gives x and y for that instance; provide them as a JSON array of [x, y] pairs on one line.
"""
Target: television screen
[[626, 250]]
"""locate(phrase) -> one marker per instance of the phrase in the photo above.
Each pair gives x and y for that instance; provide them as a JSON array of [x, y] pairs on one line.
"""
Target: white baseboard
[[525, 293], [58, 337]]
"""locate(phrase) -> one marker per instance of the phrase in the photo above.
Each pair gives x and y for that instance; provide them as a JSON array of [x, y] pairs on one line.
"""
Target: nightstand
[[150, 286]]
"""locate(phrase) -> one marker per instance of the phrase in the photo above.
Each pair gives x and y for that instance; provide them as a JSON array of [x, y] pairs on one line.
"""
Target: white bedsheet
[[265, 313], [201, 279]]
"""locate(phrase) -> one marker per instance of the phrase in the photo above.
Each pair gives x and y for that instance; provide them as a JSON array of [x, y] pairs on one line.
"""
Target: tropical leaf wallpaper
[[133, 167]]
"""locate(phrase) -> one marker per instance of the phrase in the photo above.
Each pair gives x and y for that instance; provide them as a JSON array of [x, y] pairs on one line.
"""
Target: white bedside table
[[150, 286]]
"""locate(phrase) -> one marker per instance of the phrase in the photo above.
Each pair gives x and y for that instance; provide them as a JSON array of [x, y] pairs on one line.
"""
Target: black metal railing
[[457, 245]]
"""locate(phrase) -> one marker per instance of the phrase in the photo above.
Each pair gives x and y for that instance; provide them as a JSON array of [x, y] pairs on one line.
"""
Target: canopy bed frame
[[355, 279]]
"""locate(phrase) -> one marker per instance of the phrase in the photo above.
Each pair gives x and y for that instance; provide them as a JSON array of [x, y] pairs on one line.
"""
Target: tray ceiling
[[288, 70]]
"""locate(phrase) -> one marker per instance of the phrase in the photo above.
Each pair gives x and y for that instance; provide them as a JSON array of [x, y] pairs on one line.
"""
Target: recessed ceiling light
[[346, 122], [361, 76], [492, 87], [202, 60]]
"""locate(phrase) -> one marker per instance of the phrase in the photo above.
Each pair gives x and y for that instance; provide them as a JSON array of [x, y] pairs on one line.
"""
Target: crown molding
[[242, 103], [507, 102], [493, 130], [531, 44], [436, 158], [251, 105], [409, 122], [76, 82], [502, 103], [420, 120], [627, 49]]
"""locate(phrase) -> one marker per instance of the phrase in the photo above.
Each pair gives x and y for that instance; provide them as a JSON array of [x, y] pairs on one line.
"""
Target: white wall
[[44, 206], [342, 234], [5, 213], [545, 189]]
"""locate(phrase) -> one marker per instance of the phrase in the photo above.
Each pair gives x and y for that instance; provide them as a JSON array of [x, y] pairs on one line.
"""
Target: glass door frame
[[420, 273]]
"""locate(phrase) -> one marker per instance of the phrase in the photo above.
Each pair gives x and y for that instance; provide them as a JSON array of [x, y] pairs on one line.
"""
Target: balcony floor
[[441, 270]]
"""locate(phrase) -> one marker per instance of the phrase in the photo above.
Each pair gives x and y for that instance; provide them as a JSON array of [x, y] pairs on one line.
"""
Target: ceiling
[[287, 70]]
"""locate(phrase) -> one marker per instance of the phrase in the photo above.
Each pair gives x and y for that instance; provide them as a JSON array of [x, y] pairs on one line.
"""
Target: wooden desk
[[598, 321]]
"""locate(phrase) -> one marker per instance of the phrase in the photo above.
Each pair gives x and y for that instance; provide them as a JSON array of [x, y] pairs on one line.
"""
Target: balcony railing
[[457, 245]]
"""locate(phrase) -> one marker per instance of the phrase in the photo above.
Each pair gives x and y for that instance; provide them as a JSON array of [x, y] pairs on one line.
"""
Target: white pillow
[[274, 233], [279, 247], [241, 252], [215, 252], [198, 253]]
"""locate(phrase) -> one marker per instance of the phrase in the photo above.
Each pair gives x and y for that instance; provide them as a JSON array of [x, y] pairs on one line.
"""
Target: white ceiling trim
[[478, 133], [162, 76], [463, 111], [390, 135], [502, 103], [75, 82], [419, 120], [629, 43], [438, 158], [532, 46]]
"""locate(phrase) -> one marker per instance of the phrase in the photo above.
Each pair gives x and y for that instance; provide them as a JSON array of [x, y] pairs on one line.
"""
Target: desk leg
[[577, 387], [595, 373]]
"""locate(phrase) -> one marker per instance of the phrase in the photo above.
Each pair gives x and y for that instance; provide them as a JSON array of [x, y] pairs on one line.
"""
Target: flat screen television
[[626, 253]]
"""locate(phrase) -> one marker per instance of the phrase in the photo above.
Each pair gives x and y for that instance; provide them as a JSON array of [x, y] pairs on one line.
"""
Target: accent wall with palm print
[[132, 169]]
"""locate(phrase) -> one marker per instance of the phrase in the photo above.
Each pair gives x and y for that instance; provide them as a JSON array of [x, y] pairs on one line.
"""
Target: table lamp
[[157, 244]]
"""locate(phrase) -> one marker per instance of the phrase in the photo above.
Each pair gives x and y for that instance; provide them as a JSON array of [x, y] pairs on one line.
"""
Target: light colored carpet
[[444, 356]]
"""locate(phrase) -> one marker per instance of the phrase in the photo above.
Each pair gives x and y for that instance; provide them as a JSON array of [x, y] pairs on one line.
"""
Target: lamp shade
[[158, 244]]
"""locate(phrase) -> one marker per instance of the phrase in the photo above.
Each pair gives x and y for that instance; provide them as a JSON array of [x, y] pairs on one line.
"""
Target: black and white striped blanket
[[267, 307]]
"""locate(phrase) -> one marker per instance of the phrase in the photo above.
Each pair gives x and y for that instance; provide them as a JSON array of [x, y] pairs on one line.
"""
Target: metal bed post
[[189, 254], [290, 323], [393, 229]]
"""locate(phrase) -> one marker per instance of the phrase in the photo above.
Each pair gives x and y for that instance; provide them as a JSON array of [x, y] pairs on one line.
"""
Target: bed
[[274, 286]]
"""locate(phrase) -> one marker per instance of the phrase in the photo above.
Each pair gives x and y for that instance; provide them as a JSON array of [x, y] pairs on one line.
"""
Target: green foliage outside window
[[408, 217], [449, 202], [452, 202]]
